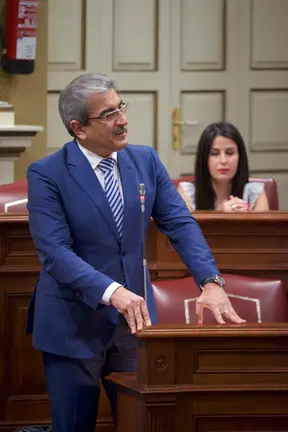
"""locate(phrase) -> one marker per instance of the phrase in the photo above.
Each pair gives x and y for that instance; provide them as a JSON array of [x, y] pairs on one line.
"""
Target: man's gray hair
[[73, 99]]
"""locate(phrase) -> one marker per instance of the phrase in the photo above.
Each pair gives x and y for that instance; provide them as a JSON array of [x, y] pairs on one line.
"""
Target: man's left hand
[[215, 298]]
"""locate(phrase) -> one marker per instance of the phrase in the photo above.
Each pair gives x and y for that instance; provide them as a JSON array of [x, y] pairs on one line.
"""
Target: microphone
[[142, 193]]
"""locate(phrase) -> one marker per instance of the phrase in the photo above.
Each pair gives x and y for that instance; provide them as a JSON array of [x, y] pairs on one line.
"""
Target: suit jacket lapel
[[84, 175]]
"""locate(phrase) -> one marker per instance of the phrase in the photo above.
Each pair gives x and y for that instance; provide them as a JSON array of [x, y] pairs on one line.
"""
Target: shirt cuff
[[109, 291]]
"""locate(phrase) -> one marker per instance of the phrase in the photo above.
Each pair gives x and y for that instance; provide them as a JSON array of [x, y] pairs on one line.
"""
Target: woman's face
[[223, 159]]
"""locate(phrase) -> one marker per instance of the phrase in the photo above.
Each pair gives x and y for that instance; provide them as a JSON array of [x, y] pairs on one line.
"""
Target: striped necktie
[[112, 191]]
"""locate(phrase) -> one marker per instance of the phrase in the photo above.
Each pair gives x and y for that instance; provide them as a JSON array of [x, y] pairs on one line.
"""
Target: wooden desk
[[207, 379], [23, 398], [252, 244]]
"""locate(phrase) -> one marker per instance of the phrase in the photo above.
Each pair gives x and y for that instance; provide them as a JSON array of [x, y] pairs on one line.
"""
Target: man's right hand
[[133, 307]]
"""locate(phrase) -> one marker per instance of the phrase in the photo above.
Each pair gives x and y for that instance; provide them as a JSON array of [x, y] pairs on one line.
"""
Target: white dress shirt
[[94, 161]]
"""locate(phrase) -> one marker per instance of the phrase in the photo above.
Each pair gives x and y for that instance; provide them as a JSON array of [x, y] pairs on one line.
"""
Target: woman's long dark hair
[[204, 192]]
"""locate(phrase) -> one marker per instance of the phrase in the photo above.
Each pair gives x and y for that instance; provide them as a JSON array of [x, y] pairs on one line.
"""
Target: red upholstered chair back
[[189, 179], [254, 299], [270, 189], [269, 184], [11, 193]]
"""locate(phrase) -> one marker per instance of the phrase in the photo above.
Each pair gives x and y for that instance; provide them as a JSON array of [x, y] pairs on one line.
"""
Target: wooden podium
[[247, 244], [207, 379]]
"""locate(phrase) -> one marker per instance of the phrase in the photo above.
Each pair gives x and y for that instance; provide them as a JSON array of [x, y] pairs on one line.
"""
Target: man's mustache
[[119, 130]]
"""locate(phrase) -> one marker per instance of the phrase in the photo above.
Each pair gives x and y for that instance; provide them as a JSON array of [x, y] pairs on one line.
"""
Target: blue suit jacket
[[79, 247]]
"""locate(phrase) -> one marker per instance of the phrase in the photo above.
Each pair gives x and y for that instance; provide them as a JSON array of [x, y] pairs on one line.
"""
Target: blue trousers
[[73, 384]]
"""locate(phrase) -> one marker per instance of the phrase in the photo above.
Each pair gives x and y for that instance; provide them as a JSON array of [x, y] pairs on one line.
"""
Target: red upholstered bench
[[13, 196], [17, 191], [254, 299]]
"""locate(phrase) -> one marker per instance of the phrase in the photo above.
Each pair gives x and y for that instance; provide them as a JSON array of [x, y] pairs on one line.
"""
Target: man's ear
[[78, 129]]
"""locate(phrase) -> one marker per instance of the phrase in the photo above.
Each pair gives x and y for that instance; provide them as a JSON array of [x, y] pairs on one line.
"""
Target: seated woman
[[222, 174]]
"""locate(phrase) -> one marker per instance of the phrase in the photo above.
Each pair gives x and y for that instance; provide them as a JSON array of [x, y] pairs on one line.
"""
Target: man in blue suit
[[85, 220]]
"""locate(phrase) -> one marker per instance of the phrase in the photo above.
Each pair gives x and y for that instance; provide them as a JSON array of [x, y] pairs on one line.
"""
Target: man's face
[[108, 131]]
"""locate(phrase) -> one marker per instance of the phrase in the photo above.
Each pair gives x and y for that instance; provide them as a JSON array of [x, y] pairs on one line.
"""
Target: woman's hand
[[235, 204]]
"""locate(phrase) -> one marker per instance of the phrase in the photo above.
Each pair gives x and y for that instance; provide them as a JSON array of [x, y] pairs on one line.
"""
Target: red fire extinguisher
[[19, 37]]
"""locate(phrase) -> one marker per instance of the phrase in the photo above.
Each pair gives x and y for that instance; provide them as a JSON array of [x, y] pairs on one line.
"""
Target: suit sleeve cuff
[[108, 292]]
